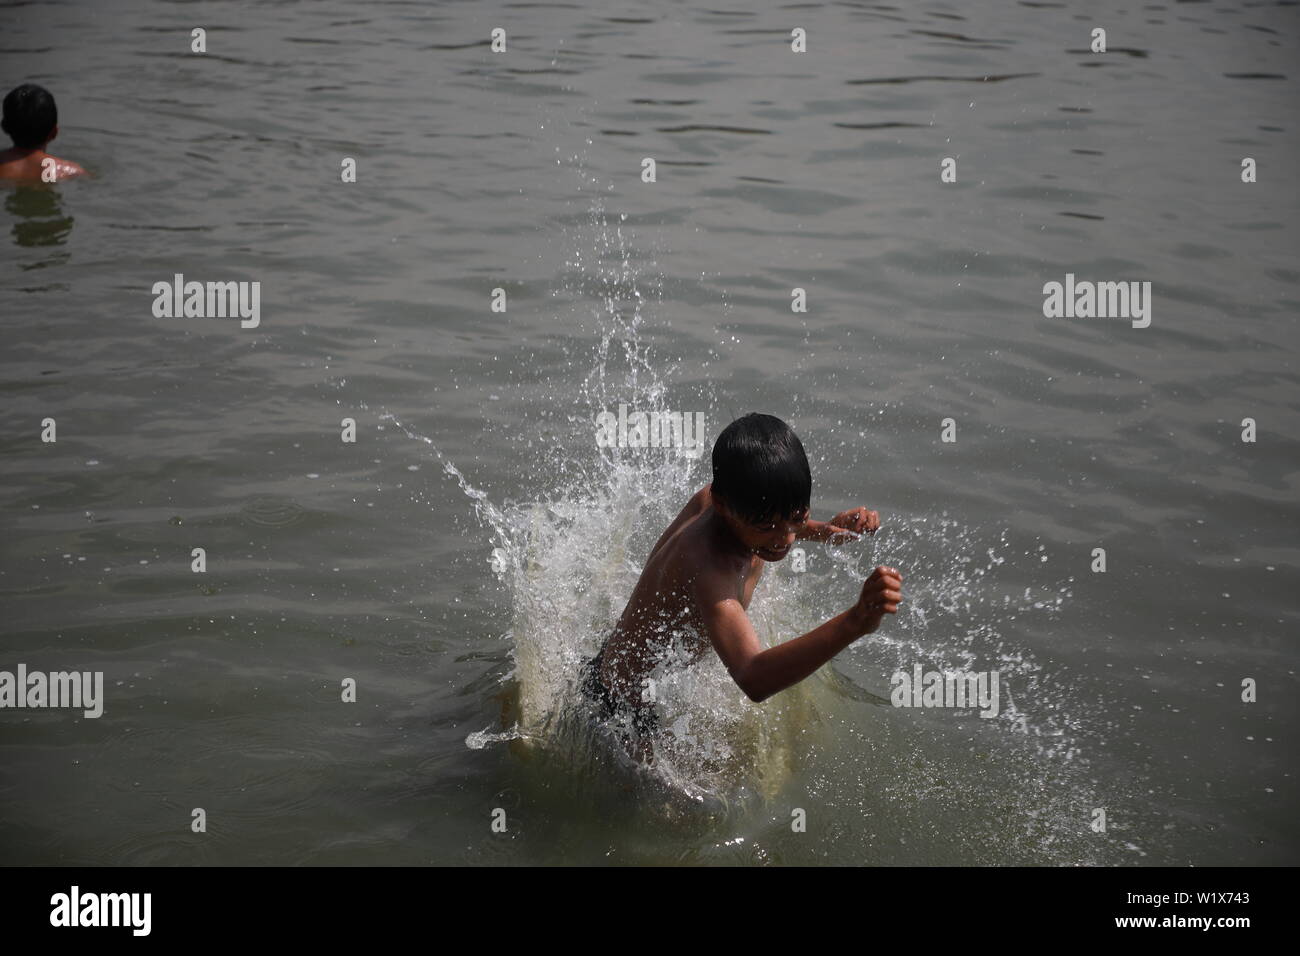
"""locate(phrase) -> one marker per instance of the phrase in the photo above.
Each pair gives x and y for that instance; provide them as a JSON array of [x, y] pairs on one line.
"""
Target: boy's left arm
[[845, 526]]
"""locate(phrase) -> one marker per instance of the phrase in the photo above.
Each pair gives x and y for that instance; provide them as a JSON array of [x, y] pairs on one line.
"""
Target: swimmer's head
[[30, 117], [761, 483]]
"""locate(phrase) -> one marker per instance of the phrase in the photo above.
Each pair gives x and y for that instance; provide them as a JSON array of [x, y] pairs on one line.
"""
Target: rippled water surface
[[521, 171]]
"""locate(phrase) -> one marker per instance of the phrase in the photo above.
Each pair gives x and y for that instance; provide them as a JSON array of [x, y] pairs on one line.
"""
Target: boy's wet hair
[[760, 469], [29, 115]]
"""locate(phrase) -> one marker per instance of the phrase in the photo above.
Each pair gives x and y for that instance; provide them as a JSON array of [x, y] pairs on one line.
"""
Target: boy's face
[[771, 538]]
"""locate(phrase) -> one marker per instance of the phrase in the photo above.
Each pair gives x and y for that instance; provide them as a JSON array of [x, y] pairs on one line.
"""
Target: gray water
[[521, 170]]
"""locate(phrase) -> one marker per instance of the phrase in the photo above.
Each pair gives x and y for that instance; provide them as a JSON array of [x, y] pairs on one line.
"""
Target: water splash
[[570, 558]]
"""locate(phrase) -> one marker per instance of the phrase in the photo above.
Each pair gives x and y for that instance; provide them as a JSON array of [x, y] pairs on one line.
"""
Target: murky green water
[[522, 171]]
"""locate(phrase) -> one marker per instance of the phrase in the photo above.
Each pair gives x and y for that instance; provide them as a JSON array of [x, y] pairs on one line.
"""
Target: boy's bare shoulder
[[701, 501], [32, 167], [67, 169], [713, 573]]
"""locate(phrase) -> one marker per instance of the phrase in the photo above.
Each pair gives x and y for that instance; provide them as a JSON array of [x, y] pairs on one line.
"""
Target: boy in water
[[31, 120], [701, 574]]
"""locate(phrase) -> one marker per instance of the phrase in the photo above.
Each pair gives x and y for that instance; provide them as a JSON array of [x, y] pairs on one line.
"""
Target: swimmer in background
[[701, 574], [31, 120]]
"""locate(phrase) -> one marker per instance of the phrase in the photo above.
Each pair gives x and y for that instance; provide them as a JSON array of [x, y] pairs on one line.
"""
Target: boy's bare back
[[689, 567], [30, 165], [696, 588]]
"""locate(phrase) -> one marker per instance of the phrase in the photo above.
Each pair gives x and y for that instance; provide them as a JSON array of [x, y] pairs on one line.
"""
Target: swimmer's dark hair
[[760, 470], [29, 115]]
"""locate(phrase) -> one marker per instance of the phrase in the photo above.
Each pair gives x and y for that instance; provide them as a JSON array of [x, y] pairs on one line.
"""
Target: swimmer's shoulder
[[66, 169], [711, 571], [30, 167]]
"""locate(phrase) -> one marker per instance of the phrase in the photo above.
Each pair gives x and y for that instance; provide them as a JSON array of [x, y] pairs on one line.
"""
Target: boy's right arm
[[761, 673]]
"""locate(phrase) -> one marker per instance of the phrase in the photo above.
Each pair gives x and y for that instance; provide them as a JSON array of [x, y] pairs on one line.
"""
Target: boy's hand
[[847, 525], [881, 594]]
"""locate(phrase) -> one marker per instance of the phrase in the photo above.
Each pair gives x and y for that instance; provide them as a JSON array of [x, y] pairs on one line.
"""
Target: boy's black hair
[[29, 115], [760, 469]]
